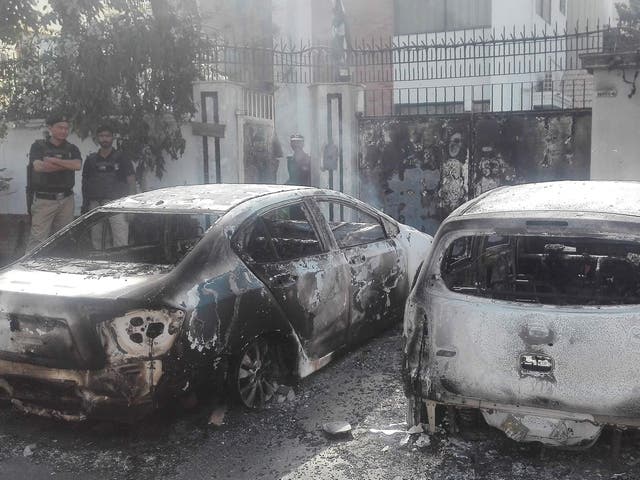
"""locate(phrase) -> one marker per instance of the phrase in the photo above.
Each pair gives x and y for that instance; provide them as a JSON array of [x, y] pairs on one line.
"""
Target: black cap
[[54, 118]]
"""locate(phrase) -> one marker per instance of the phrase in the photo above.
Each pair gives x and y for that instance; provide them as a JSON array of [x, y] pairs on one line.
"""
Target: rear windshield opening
[[132, 237], [546, 270]]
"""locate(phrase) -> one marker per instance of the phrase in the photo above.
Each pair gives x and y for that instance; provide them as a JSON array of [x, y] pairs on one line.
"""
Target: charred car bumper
[[121, 392], [555, 428]]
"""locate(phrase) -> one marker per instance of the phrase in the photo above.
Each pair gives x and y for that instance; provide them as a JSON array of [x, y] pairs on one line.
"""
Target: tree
[[129, 62], [629, 23], [17, 17]]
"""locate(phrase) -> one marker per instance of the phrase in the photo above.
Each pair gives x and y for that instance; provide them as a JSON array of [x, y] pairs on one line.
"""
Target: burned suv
[[528, 311]]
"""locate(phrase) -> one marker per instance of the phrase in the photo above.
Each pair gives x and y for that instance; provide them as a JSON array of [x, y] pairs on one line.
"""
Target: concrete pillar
[[615, 143], [218, 106], [336, 118]]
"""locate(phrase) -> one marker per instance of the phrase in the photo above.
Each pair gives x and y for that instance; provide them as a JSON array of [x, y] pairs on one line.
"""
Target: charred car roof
[[213, 197], [600, 198]]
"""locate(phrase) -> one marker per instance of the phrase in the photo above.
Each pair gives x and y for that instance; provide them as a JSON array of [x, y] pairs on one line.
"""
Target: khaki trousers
[[118, 225], [47, 217]]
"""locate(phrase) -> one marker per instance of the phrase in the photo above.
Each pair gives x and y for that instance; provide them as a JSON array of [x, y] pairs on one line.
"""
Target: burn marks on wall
[[419, 169], [509, 149]]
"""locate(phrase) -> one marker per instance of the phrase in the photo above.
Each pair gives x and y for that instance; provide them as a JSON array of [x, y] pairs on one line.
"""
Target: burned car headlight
[[141, 333]]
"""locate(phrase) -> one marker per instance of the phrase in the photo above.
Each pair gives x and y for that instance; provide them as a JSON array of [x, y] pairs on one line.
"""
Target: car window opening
[[283, 234], [545, 270], [132, 237], [353, 226]]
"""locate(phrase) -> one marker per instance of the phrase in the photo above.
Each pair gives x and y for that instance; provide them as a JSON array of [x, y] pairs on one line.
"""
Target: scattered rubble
[[423, 441], [217, 416], [416, 429], [337, 428], [28, 450], [284, 393]]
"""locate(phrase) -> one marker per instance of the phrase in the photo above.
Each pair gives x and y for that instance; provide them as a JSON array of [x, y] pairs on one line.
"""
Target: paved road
[[286, 441]]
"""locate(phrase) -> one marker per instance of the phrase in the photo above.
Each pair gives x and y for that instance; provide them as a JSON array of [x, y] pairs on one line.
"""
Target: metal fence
[[568, 94], [520, 70], [429, 56]]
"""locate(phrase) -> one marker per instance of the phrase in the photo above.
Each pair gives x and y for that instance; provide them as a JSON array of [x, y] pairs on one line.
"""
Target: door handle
[[284, 279], [536, 363], [358, 259]]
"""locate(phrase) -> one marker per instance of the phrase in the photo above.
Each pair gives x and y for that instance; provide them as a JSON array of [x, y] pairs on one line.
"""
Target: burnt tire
[[258, 371]]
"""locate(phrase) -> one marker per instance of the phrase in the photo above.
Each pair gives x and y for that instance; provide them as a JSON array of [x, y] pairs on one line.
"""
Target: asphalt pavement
[[287, 440]]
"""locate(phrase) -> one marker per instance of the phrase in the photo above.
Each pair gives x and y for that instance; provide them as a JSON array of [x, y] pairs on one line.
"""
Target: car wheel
[[258, 372]]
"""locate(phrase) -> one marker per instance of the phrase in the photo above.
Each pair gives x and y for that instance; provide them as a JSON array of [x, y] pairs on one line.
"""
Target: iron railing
[[567, 94], [420, 57]]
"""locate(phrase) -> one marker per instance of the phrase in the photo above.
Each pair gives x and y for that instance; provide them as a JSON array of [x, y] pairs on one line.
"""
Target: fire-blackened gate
[[419, 168]]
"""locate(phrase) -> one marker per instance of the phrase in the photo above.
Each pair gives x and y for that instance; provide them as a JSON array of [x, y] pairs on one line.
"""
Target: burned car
[[528, 312], [234, 286]]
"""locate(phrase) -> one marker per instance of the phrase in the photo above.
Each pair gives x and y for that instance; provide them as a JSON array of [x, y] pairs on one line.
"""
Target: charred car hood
[[81, 278]]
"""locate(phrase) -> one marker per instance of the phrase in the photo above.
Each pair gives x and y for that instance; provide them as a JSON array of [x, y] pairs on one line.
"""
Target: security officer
[[107, 175], [298, 164], [51, 170]]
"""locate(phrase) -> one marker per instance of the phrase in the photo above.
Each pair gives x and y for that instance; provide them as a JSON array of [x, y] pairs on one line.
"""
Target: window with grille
[[425, 16]]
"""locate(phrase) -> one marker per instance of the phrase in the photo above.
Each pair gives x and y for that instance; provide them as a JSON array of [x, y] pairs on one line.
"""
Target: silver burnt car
[[234, 286], [528, 312]]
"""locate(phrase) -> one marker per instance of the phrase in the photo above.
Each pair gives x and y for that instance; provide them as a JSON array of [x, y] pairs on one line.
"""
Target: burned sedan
[[528, 312], [234, 286]]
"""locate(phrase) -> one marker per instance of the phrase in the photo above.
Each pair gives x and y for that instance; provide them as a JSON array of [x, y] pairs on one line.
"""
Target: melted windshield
[[156, 238]]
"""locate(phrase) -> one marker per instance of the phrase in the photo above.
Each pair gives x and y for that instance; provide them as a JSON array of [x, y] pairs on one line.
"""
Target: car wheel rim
[[257, 374]]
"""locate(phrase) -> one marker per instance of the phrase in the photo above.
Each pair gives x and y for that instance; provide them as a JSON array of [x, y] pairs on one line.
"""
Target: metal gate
[[419, 168]]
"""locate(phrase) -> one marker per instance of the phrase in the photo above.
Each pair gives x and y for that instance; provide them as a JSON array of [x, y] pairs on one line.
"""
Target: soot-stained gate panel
[[418, 169], [415, 169], [510, 149]]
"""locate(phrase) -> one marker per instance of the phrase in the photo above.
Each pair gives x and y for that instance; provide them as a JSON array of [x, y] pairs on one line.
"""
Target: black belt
[[54, 195]]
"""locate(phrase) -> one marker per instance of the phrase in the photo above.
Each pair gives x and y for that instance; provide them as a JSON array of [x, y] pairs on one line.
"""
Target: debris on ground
[[217, 416], [416, 429], [284, 393], [337, 428], [423, 441], [28, 450]]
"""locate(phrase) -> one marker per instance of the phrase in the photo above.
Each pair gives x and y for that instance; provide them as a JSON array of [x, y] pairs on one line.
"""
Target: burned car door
[[378, 279], [310, 282]]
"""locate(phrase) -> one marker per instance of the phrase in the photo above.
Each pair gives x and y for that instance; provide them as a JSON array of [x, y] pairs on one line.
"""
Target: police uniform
[[299, 164], [53, 203], [105, 179]]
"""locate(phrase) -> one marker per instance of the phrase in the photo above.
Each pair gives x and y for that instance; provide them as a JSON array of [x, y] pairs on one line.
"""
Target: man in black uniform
[[52, 166], [106, 176], [298, 164]]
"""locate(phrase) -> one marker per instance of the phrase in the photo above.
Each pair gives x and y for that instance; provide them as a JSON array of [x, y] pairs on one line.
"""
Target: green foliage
[[131, 63], [629, 22], [17, 17]]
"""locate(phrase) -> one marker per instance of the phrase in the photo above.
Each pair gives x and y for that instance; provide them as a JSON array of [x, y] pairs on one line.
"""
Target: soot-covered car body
[[220, 284], [529, 311]]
